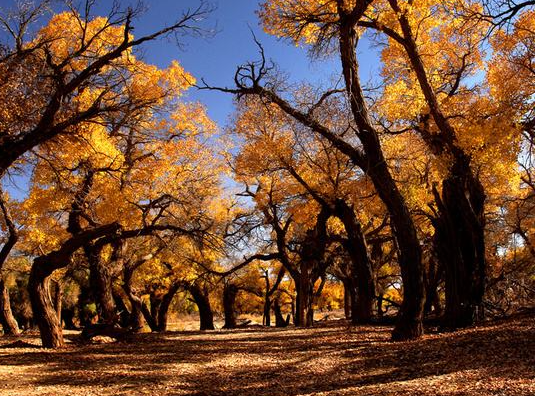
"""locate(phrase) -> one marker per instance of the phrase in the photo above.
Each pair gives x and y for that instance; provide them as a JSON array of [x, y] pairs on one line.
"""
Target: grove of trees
[[411, 195]]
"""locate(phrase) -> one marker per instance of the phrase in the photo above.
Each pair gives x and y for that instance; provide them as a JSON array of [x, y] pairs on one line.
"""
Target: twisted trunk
[[39, 282], [100, 279], [206, 315], [461, 223], [409, 323], [7, 320], [163, 308]]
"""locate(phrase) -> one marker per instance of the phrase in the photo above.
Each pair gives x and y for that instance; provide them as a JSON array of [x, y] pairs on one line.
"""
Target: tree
[[77, 69]]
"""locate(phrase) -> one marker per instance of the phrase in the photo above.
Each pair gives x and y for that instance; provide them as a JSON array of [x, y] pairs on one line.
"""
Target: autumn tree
[[74, 70]]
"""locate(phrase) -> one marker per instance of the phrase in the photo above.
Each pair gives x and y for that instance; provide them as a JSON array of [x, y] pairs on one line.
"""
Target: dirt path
[[333, 359]]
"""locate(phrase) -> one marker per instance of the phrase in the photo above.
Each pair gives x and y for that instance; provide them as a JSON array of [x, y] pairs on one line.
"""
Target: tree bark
[[7, 320], [163, 308], [409, 323], [461, 246], [101, 284], [361, 269], [347, 299], [206, 315], [229, 305], [461, 223], [43, 308], [58, 297], [279, 319], [39, 282]]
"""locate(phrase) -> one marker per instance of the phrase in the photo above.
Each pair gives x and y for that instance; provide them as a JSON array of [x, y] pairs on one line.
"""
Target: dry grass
[[332, 358]]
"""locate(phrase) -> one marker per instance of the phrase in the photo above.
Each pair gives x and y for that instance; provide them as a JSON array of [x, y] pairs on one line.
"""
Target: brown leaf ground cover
[[330, 359]]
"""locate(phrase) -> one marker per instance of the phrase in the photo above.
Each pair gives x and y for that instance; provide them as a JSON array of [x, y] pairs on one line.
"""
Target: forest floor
[[330, 359]]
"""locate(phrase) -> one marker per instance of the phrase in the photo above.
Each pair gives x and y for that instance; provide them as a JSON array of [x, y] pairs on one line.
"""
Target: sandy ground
[[330, 359]]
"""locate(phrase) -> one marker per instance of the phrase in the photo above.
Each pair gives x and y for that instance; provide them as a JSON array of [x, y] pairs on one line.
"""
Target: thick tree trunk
[[7, 320], [461, 223], [279, 319], [39, 283], [361, 269], [229, 301], [163, 308], [123, 313], [432, 300], [409, 323], [43, 308], [304, 310], [460, 244], [380, 311], [101, 285], [206, 316], [58, 299]]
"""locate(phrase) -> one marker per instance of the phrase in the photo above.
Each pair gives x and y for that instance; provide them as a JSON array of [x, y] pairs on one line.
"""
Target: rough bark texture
[[361, 269], [229, 305], [409, 323], [206, 315], [58, 299], [163, 308], [461, 247], [461, 223], [7, 320], [101, 284], [45, 314], [39, 282]]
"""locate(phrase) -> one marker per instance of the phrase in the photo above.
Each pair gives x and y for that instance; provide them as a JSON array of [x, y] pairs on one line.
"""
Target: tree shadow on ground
[[332, 358]]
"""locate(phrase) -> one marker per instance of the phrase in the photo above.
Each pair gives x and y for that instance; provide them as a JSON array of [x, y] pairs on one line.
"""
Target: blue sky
[[216, 58]]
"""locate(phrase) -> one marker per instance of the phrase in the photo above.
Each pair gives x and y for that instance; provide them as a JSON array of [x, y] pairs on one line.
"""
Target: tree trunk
[[266, 320], [206, 316], [7, 320], [461, 223], [163, 308], [279, 319], [68, 318], [101, 285], [229, 301], [461, 245], [58, 297], [432, 300], [380, 311], [304, 288], [409, 322], [347, 299], [361, 269], [43, 308]]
